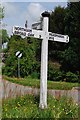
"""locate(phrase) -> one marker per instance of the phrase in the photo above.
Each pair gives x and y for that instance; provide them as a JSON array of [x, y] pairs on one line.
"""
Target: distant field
[[36, 83]]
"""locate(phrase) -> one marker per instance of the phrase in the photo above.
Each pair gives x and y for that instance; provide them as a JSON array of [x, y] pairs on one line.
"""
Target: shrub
[[35, 74], [71, 77], [28, 62], [54, 73]]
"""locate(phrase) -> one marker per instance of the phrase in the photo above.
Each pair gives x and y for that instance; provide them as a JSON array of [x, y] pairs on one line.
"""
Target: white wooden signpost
[[45, 36]]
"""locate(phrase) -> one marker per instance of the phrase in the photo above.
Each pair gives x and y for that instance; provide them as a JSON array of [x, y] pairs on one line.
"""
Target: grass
[[27, 107], [36, 83]]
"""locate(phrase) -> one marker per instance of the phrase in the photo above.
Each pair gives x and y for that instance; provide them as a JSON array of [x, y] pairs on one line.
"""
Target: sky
[[16, 13]]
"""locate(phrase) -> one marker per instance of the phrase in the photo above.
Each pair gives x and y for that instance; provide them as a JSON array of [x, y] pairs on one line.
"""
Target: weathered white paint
[[44, 62], [38, 33], [58, 37]]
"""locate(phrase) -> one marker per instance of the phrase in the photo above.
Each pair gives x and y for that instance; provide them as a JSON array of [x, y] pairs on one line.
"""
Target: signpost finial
[[45, 14]]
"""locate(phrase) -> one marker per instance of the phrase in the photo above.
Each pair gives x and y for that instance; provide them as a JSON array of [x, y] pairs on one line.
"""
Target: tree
[[69, 19], [57, 20], [5, 37], [1, 16], [72, 28], [69, 60], [57, 25], [28, 63], [3, 32], [1, 12], [72, 19]]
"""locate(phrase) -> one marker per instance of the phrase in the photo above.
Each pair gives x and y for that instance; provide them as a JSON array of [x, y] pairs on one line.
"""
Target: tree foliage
[[5, 37], [1, 16], [72, 28], [28, 63], [1, 12], [66, 21], [57, 23]]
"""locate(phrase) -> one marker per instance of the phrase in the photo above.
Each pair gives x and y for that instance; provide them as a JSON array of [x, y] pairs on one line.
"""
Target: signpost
[[45, 36], [58, 37], [21, 31], [28, 32], [37, 25], [19, 55]]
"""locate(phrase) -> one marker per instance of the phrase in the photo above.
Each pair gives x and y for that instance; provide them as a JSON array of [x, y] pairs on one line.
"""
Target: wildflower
[[17, 116], [66, 113], [6, 114], [76, 104], [24, 109], [5, 109], [58, 115], [19, 104], [16, 108]]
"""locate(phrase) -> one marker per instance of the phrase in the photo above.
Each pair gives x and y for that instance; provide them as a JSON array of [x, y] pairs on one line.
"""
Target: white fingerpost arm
[[44, 63]]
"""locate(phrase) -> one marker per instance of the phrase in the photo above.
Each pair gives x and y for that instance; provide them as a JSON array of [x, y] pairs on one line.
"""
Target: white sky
[[33, 0]]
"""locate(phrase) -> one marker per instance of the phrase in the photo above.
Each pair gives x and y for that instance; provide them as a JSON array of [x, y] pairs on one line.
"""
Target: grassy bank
[[36, 83], [28, 107]]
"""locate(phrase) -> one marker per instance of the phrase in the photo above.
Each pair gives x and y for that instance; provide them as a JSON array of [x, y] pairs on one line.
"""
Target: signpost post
[[45, 36], [44, 61]]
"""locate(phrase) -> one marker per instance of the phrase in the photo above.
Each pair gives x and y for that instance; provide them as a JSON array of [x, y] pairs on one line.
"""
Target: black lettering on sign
[[28, 30], [20, 29], [56, 35], [39, 36], [16, 28], [51, 37], [30, 34], [20, 33]]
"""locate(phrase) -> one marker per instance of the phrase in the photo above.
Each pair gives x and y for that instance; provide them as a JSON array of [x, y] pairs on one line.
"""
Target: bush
[[28, 62], [55, 74], [71, 77], [35, 74], [69, 60]]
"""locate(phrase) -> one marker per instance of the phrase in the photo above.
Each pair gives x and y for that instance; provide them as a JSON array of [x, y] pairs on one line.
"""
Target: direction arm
[[58, 37], [37, 33]]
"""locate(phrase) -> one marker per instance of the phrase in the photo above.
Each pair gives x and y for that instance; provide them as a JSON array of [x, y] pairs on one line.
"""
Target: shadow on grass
[[36, 100]]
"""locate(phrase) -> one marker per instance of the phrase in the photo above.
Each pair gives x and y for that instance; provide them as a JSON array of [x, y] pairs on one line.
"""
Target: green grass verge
[[36, 83], [0, 68], [28, 107]]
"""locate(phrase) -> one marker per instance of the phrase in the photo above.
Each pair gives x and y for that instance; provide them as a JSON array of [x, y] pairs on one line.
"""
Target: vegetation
[[28, 62], [5, 37], [66, 21], [36, 83], [63, 67], [1, 12], [67, 56], [3, 32], [27, 107]]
